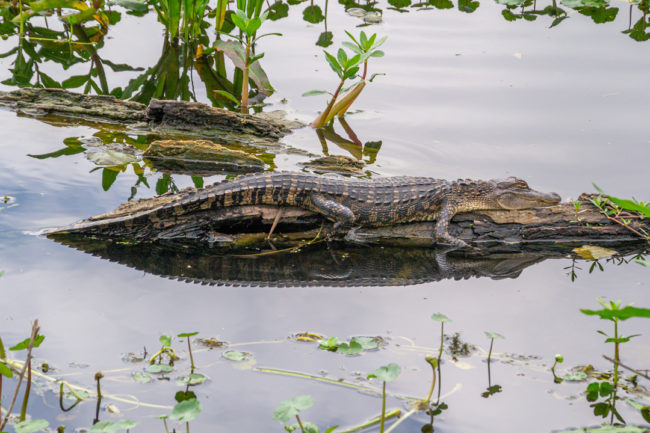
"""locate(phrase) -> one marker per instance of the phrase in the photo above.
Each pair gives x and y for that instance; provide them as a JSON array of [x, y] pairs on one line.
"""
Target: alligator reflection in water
[[315, 266]]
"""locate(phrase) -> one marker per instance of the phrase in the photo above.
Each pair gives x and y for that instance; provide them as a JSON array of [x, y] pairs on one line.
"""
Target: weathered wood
[[200, 157], [181, 118], [248, 225], [59, 102]]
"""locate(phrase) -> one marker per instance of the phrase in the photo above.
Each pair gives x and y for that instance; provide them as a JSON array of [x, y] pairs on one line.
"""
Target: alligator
[[348, 203]]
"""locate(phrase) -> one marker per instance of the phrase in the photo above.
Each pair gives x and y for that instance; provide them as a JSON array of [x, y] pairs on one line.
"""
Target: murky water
[[464, 95]]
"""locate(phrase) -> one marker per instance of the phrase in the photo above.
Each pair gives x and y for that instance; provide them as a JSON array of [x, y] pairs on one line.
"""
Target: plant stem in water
[[302, 428], [383, 408]]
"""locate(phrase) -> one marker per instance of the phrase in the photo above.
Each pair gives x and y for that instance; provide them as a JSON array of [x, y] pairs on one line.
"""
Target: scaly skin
[[348, 203]]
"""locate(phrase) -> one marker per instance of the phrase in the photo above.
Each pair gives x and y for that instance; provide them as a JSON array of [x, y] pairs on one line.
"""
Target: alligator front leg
[[342, 215], [441, 233]]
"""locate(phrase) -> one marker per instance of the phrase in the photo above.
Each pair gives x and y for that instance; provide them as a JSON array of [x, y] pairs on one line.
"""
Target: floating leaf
[[292, 407], [386, 373], [593, 252], [31, 426], [367, 343], [350, 349], [577, 376], [235, 355], [141, 377], [186, 410], [192, 379], [643, 262], [159, 368], [313, 14]]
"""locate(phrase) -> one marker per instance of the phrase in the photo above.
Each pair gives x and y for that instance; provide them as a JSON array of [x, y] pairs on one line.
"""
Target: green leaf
[[226, 95], [386, 373], [5, 370], [643, 262], [125, 424], [121, 67], [235, 355], [342, 57], [330, 344], [253, 25], [493, 335], [186, 410], [192, 379], [350, 73], [101, 426], [439, 317], [165, 340], [334, 64], [578, 376], [622, 314], [74, 81], [313, 14], [235, 52], [253, 59], [25, 343], [108, 178], [184, 395], [350, 349], [239, 22], [292, 407], [138, 376], [49, 82], [159, 368], [31, 426], [187, 334], [325, 39], [315, 92], [367, 343]]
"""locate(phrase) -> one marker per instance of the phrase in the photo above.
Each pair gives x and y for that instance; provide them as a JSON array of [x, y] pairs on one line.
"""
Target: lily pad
[[186, 410], [31, 426], [192, 379], [386, 373], [159, 368], [138, 376]]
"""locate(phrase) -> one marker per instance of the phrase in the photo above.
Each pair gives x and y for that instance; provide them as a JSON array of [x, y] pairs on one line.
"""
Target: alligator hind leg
[[342, 216]]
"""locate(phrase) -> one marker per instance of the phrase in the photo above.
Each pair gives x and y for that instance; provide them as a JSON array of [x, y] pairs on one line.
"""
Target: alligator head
[[513, 193]]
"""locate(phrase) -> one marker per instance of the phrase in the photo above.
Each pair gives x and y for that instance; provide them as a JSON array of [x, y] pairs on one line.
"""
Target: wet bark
[[248, 226], [177, 117]]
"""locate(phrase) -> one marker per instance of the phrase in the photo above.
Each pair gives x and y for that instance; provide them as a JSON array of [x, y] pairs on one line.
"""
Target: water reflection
[[331, 265]]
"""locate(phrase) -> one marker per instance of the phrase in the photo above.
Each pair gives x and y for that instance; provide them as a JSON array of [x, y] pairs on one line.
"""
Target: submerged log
[[247, 226], [177, 117]]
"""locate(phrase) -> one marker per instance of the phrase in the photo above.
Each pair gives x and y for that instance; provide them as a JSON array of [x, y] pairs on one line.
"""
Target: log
[[499, 230], [180, 118]]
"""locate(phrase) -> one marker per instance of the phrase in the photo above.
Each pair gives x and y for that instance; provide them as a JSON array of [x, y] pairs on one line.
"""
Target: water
[[464, 95]]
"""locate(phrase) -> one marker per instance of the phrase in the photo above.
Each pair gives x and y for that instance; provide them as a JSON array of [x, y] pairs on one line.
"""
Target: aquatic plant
[[347, 68], [613, 312], [165, 349], [292, 407], [34, 340], [385, 373], [189, 347], [559, 359], [247, 18], [492, 336], [439, 317], [181, 17]]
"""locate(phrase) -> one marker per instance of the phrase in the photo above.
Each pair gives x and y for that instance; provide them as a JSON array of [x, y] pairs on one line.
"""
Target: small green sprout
[[385, 373]]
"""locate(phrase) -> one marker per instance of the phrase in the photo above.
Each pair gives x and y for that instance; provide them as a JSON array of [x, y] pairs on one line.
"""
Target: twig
[[35, 329], [626, 367]]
